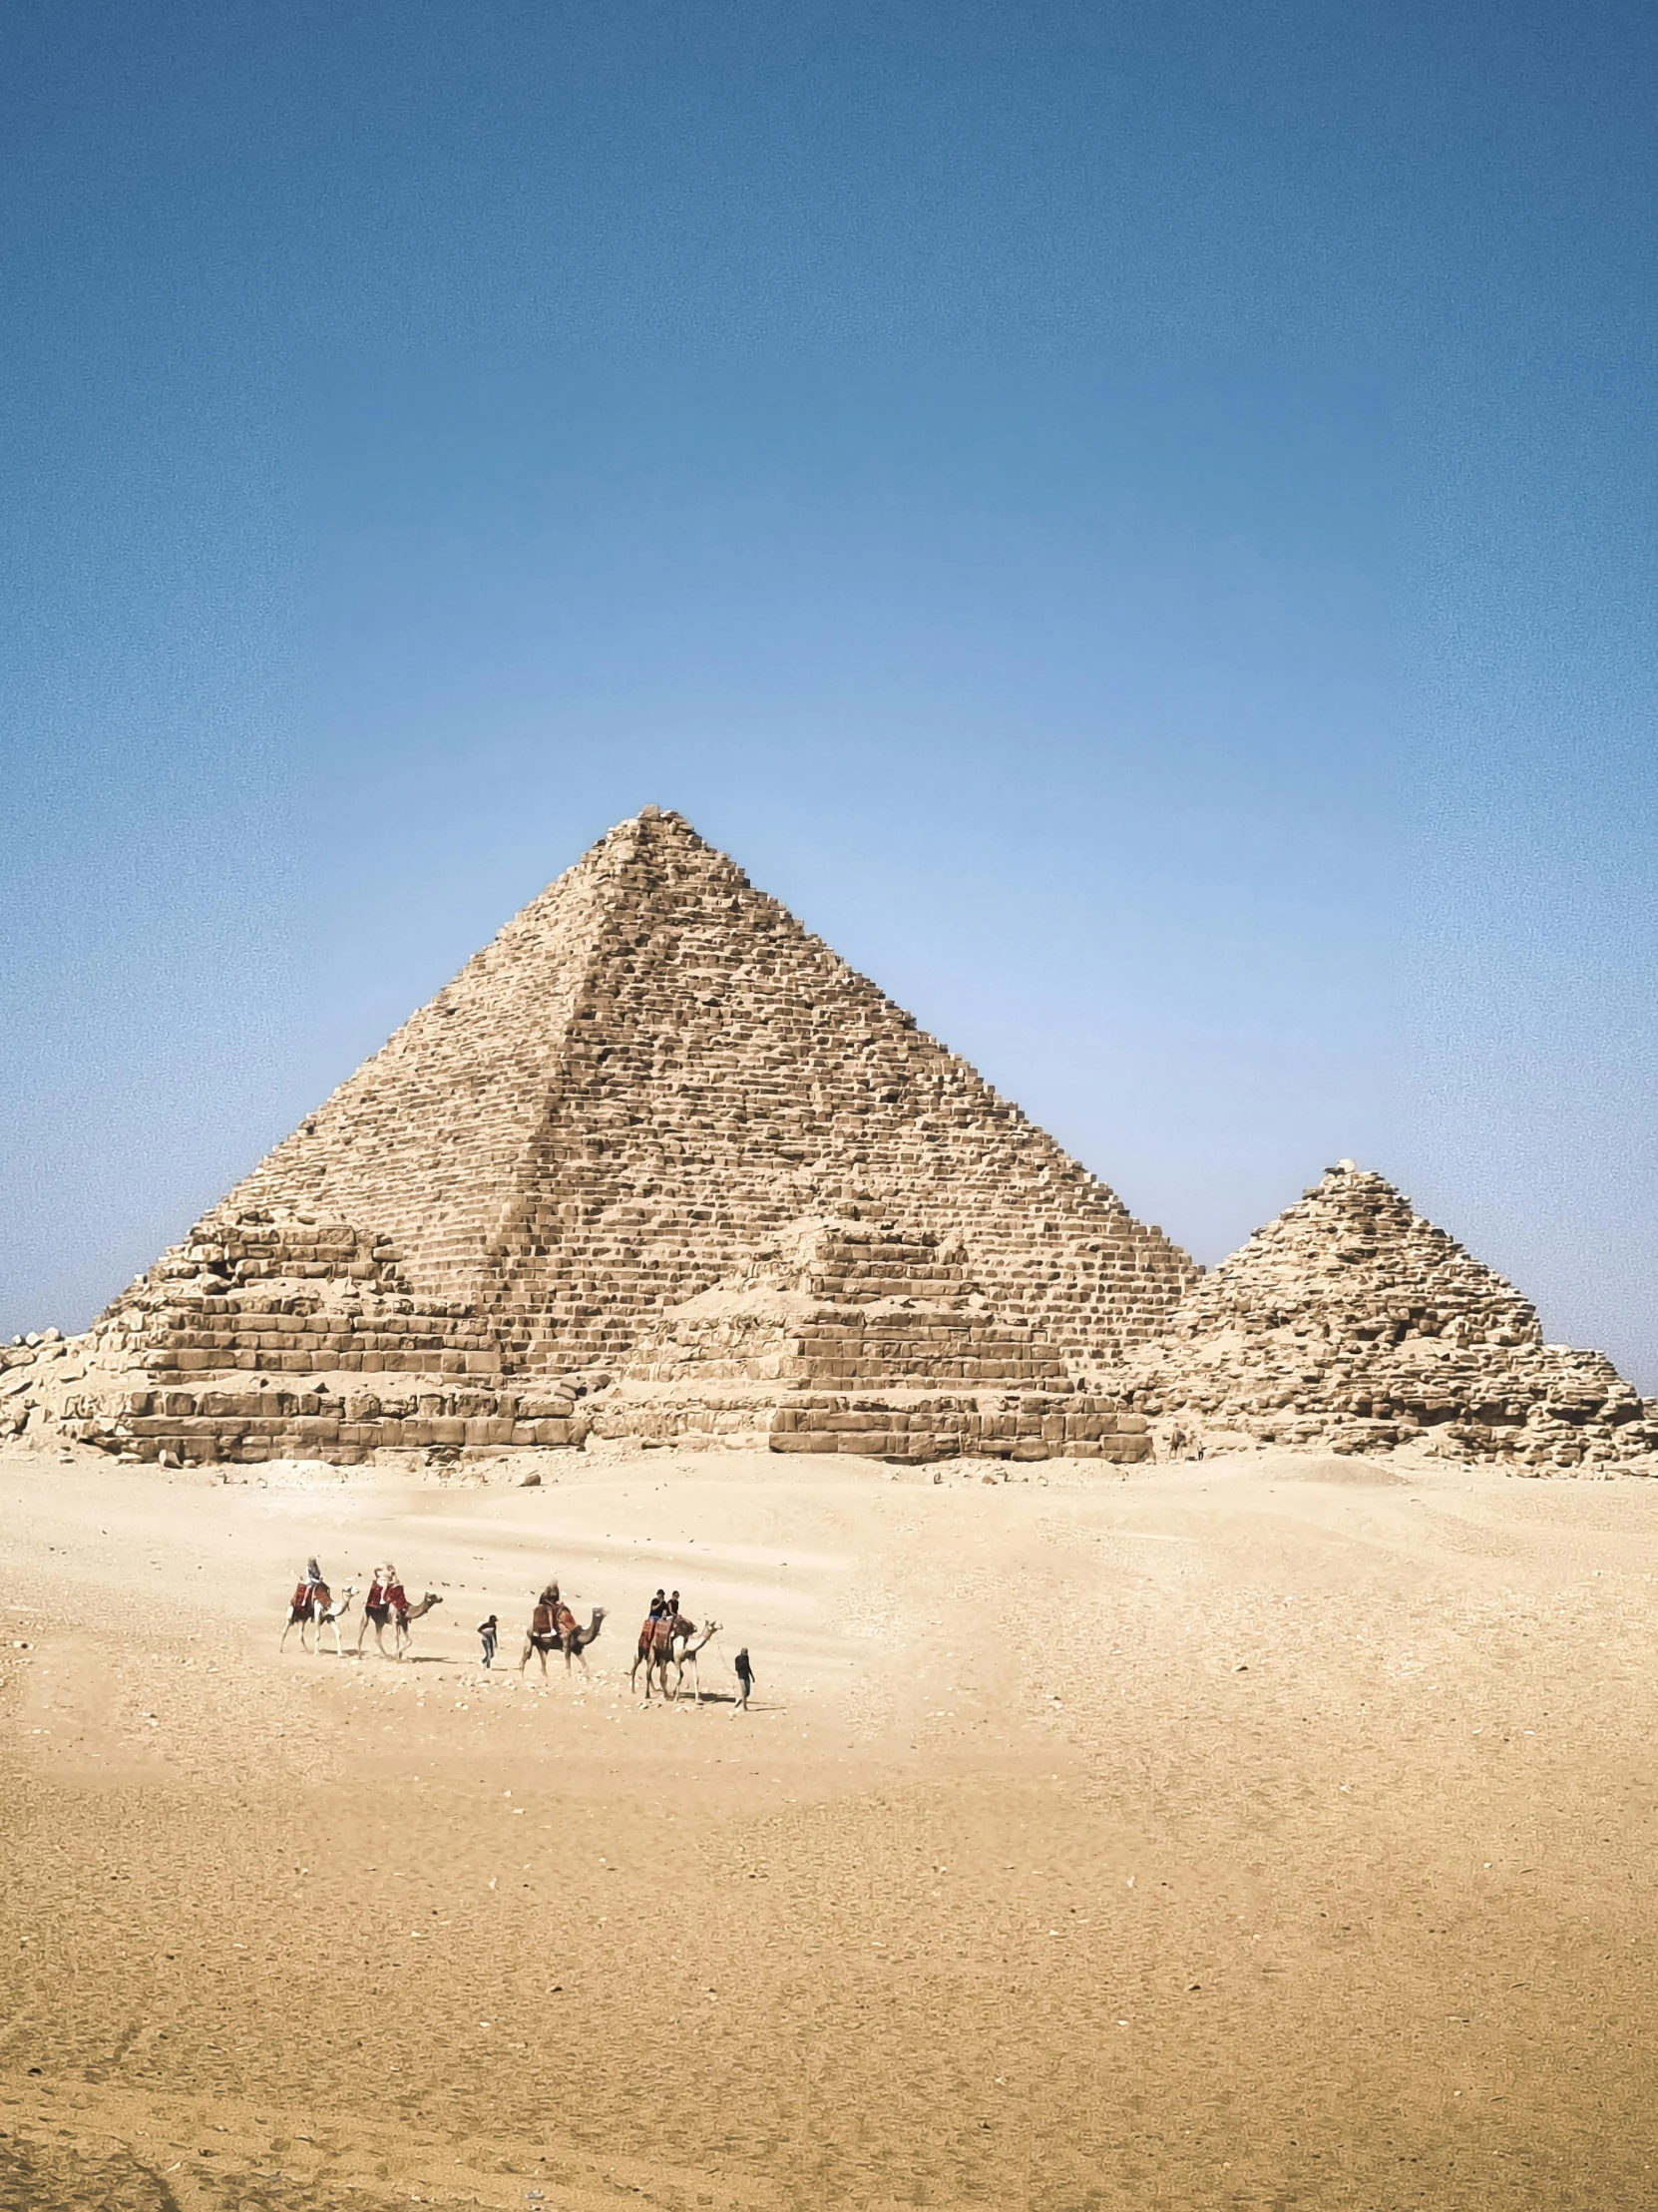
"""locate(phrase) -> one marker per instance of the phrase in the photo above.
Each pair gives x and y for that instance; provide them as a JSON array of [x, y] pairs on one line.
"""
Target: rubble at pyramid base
[[1346, 1325]]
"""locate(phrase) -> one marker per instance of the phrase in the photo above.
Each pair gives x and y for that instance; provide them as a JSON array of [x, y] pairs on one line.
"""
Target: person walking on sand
[[486, 1633], [745, 1679]]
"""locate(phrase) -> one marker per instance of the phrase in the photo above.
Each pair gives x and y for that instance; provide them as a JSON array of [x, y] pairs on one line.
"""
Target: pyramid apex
[[654, 820]]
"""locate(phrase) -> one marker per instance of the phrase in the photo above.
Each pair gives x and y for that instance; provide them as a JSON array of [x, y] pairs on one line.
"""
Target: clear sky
[[1136, 521]]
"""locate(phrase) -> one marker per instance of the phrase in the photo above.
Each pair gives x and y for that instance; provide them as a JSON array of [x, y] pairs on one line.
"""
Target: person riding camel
[[375, 1609], [311, 1588], [396, 1599], [653, 1635], [544, 1621]]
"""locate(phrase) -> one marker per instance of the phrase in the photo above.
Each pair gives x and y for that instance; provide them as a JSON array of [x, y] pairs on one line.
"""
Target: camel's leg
[[287, 1633], [339, 1651], [529, 1646]]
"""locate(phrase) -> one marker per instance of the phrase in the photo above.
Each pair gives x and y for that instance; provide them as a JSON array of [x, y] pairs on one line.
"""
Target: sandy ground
[[1272, 1833]]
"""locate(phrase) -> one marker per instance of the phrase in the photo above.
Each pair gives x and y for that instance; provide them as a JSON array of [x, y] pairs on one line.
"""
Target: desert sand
[[1256, 1832]]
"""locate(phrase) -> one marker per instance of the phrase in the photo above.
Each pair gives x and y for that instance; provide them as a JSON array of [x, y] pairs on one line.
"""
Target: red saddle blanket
[[309, 1594]]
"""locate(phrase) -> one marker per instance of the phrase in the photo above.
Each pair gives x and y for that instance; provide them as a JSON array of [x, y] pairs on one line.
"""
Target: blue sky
[[1135, 522]]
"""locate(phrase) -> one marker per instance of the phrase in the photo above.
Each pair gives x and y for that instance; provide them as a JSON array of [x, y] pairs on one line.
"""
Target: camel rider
[[309, 1584], [544, 1621], [375, 1607], [395, 1597], [564, 1621], [658, 1607]]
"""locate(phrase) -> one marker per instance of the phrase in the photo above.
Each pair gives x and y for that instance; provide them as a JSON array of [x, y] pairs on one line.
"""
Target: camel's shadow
[[728, 1699]]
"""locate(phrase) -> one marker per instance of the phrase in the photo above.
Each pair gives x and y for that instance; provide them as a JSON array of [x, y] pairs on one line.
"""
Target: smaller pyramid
[[1354, 1323]]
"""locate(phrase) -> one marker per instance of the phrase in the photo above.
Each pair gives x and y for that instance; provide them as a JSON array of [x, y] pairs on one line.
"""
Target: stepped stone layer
[[647, 1076], [1351, 1321], [855, 1335]]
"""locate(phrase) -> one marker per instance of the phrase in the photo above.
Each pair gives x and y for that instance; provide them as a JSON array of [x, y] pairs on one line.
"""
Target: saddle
[[566, 1622], [541, 1621], [311, 1597]]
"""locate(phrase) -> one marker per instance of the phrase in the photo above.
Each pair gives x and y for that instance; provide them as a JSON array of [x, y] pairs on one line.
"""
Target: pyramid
[[651, 1076], [1352, 1323]]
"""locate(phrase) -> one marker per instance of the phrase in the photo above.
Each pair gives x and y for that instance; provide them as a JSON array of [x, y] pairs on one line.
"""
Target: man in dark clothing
[[745, 1679], [487, 1632]]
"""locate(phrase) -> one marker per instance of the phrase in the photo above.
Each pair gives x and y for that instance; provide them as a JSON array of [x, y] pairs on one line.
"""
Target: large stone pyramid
[[1351, 1322], [650, 1076]]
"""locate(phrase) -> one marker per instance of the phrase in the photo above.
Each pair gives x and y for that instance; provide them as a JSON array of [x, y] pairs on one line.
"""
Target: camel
[[317, 1611], [689, 1657], [572, 1641], [657, 1641], [401, 1625]]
